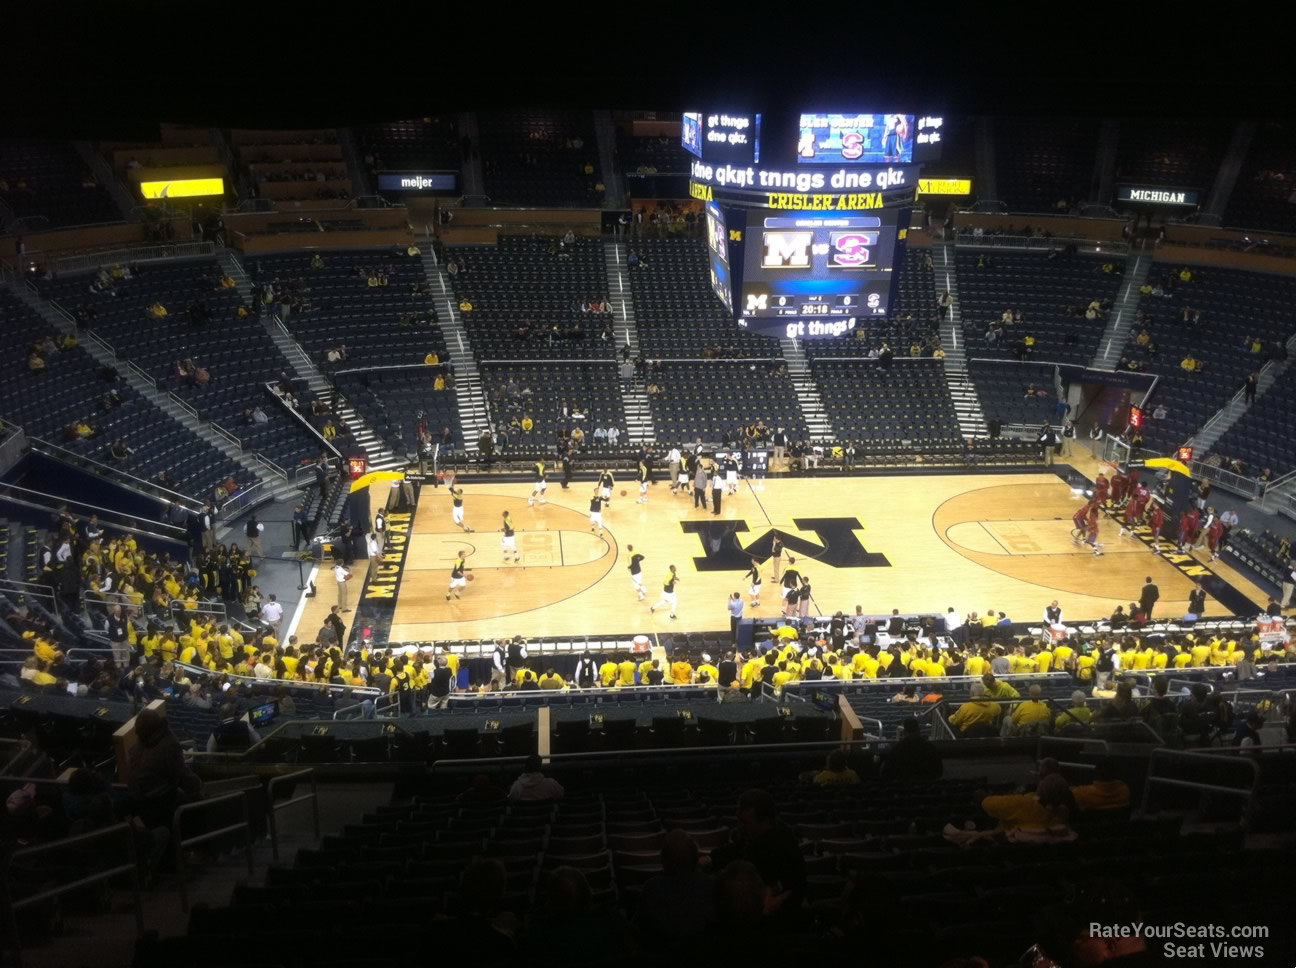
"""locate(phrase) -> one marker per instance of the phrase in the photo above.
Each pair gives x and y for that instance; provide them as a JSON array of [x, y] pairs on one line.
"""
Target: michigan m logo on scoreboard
[[794, 250]]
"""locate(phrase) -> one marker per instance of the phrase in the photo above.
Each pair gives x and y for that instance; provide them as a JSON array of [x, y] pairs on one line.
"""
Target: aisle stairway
[[625, 331], [378, 455], [470, 391], [807, 391], [967, 404], [1121, 318], [142, 384]]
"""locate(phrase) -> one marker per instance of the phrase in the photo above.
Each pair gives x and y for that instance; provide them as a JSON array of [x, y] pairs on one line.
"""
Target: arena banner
[[944, 186], [1157, 195], [424, 182], [183, 188]]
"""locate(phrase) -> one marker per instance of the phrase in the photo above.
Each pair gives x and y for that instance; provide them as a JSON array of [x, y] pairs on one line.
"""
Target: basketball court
[[920, 543]]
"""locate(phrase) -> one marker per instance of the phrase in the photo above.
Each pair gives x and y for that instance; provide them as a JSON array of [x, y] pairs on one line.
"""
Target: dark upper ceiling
[[260, 65]]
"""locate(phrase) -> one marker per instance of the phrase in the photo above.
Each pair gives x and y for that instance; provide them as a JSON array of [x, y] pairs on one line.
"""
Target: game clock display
[[846, 304], [818, 266]]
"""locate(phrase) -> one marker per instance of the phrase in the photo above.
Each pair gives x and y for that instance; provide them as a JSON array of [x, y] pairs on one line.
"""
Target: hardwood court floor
[[917, 543]]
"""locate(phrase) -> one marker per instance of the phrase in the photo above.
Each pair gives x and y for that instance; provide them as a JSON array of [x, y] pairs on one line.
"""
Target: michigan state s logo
[[838, 546]]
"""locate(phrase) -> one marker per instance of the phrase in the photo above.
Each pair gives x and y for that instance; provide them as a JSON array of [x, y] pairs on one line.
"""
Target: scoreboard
[[805, 212], [718, 254], [818, 265]]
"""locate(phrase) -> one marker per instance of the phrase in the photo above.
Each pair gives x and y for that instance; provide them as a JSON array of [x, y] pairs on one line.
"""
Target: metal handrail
[[11, 906], [312, 685], [381, 703], [1239, 397], [1084, 742], [205, 608], [271, 466], [103, 343], [90, 596], [963, 238], [239, 501], [1240, 484], [1278, 748], [142, 373], [221, 431], [180, 844], [155, 490], [274, 807], [70, 265], [132, 522], [183, 404], [743, 748], [37, 587], [324, 441], [1162, 755]]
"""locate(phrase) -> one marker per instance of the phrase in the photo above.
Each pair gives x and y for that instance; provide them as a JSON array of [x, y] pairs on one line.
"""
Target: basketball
[[469, 576], [623, 492]]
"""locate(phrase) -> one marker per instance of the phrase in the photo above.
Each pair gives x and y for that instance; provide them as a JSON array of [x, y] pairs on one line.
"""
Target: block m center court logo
[[837, 545]]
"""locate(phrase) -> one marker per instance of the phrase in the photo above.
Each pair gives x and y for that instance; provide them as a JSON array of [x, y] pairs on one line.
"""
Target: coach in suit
[[1148, 596]]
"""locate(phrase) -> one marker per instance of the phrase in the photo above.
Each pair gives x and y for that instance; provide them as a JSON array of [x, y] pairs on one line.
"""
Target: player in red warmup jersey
[[1213, 535], [1092, 539], [1156, 521], [1079, 519], [1102, 488], [1189, 522], [1134, 509], [1119, 484]]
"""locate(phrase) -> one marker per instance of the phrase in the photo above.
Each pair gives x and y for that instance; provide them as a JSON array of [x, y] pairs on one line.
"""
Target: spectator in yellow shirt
[[1106, 792], [994, 689], [608, 673], [977, 712], [836, 772], [1032, 713], [626, 672], [707, 667], [1048, 808], [1077, 714], [681, 670], [551, 680]]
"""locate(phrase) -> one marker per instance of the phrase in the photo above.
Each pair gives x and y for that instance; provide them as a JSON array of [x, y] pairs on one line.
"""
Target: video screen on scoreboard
[[718, 254], [691, 135], [856, 139], [818, 266]]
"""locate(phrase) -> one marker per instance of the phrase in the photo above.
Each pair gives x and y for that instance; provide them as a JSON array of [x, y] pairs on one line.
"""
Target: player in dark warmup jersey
[[606, 483], [730, 465], [508, 543], [538, 491], [791, 588], [458, 578], [643, 483], [457, 512], [754, 579], [669, 596], [596, 511], [636, 572]]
